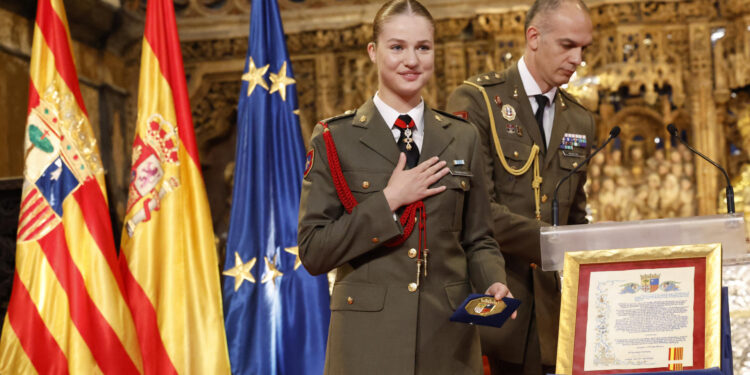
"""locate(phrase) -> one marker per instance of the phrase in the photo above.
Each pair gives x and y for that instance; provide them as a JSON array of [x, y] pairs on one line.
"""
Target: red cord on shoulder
[[342, 188]]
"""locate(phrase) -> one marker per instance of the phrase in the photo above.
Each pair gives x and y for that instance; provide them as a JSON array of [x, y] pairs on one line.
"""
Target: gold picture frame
[[706, 262]]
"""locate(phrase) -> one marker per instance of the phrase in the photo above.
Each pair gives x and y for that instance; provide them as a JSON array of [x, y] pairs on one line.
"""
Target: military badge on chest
[[514, 129], [573, 144], [509, 114]]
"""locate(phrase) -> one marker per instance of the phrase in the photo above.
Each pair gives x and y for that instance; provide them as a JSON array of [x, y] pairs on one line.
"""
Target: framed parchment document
[[640, 310]]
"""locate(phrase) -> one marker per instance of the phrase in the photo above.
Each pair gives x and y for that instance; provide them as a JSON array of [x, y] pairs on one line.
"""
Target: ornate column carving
[[703, 112], [454, 64], [326, 76], [308, 106]]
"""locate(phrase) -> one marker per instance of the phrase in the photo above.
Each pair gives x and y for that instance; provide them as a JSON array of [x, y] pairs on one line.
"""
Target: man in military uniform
[[533, 134]]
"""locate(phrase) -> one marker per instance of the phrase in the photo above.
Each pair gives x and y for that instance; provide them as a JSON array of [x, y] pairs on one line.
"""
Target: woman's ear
[[371, 50]]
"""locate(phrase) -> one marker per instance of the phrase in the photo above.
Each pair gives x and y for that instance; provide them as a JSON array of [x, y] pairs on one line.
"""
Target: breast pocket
[[567, 164], [364, 184], [516, 156], [456, 188], [358, 297]]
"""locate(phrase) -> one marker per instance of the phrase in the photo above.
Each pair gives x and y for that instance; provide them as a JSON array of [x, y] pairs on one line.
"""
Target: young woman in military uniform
[[395, 200]]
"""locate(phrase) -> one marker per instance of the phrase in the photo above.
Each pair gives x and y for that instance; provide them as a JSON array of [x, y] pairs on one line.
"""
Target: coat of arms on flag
[[152, 153], [56, 164]]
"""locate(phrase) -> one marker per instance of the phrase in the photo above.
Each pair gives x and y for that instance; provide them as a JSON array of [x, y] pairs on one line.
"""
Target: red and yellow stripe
[[170, 264], [675, 353], [67, 312]]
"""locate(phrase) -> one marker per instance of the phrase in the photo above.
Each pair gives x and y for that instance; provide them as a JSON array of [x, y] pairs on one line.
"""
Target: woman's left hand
[[499, 290]]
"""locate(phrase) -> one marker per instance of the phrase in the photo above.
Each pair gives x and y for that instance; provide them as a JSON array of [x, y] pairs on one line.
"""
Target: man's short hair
[[545, 6]]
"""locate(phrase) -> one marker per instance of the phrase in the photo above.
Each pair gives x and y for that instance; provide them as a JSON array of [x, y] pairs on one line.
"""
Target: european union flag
[[276, 314]]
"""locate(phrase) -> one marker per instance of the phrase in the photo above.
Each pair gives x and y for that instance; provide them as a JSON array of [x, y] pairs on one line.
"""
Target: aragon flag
[[67, 313], [168, 254]]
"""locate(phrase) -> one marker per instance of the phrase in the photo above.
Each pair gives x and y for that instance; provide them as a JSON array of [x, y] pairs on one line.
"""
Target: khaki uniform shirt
[[513, 203], [377, 325]]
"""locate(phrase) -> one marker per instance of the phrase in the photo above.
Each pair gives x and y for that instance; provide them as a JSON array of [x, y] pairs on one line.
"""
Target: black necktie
[[542, 101], [406, 143]]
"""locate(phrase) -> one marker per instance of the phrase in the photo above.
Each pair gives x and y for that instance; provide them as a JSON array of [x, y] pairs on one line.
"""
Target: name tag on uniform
[[485, 310], [460, 173], [572, 154]]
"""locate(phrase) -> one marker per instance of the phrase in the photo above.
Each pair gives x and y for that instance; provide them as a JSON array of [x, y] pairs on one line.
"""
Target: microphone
[[730, 191], [555, 206]]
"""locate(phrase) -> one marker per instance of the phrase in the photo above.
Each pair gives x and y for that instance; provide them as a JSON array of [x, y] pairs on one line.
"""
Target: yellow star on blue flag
[[254, 76], [240, 271], [280, 81]]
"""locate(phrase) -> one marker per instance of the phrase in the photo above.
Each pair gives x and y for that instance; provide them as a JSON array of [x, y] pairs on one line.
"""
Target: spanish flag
[[67, 313], [168, 256]]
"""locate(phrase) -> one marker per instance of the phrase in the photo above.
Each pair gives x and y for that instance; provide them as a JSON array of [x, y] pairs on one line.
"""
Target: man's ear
[[532, 37], [371, 50]]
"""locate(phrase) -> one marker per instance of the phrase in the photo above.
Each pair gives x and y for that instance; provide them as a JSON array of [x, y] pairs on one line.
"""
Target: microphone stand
[[729, 190]]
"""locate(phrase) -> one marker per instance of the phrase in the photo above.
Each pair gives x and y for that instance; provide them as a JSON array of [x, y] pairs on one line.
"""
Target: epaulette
[[570, 98], [349, 113], [488, 79], [450, 115]]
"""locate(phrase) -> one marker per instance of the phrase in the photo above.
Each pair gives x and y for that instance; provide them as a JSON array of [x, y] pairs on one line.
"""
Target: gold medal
[[485, 306]]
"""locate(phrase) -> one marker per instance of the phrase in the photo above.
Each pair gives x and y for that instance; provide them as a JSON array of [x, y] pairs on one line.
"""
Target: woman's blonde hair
[[396, 7]]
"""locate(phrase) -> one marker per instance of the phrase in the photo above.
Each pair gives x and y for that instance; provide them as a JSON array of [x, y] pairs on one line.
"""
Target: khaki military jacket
[[513, 202], [377, 325]]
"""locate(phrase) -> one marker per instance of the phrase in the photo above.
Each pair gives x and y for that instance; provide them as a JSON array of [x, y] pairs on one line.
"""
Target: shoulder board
[[349, 113], [488, 79], [450, 115], [569, 98]]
